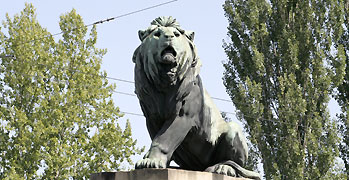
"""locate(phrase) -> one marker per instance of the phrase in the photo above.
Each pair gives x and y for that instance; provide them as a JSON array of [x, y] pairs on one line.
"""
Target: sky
[[120, 38]]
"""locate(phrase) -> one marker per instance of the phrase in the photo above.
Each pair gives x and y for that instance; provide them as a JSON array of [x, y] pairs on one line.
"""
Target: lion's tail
[[242, 171]]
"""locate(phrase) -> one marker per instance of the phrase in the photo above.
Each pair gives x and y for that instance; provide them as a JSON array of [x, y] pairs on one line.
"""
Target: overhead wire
[[120, 80], [130, 13], [131, 113], [102, 21]]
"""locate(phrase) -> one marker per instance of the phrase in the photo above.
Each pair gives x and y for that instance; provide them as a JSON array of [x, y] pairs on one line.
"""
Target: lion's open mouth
[[168, 64], [168, 55]]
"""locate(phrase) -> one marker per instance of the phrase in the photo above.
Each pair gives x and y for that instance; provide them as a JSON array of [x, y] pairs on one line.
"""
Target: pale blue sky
[[205, 18]]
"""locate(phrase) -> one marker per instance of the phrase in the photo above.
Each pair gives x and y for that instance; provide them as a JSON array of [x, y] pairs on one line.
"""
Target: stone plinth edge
[[160, 174]]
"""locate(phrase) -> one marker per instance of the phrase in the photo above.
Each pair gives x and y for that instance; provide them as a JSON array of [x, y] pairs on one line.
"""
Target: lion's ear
[[190, 35], [141, 34]]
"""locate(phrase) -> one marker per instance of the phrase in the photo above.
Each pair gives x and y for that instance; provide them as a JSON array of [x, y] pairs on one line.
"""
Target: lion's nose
[[169, 36]]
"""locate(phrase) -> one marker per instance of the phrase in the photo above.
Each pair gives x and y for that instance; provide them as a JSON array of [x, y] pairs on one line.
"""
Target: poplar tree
[[342, 95], [57, 116], [281, 69]]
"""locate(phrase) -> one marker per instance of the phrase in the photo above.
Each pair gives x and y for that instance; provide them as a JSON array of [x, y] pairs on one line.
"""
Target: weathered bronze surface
[[183, 122]]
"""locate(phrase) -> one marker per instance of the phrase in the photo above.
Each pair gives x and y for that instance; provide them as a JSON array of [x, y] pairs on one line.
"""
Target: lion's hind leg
[[231, 154], [231, 145]]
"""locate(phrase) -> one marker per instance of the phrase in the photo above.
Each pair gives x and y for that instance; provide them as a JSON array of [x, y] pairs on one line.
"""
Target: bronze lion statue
[[183, 122]]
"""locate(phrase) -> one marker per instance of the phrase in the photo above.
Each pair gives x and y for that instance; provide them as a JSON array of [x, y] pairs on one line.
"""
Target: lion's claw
[[150, 163]]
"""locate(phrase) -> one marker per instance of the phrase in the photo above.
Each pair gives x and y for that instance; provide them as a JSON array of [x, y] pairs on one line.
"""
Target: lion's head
[[167, 52]]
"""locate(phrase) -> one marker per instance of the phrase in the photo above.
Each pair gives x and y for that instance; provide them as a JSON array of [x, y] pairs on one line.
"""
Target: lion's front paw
[[222, 169], [150, 163]]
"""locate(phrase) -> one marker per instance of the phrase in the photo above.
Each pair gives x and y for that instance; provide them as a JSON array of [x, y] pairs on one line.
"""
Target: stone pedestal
[[160, 174]]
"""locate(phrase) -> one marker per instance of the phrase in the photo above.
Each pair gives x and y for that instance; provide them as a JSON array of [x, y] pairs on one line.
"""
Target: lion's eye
[[157, 34], [177, 34]]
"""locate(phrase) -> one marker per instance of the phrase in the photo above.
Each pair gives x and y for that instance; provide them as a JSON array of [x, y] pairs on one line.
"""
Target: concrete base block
[[160, 174]]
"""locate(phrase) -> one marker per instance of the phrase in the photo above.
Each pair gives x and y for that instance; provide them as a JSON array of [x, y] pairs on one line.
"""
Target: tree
[[279, 76], [57, 117], [342, 96]]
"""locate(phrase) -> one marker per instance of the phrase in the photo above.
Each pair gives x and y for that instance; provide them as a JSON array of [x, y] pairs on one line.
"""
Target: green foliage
[[57, 117], [281, 69], [342, 96]]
